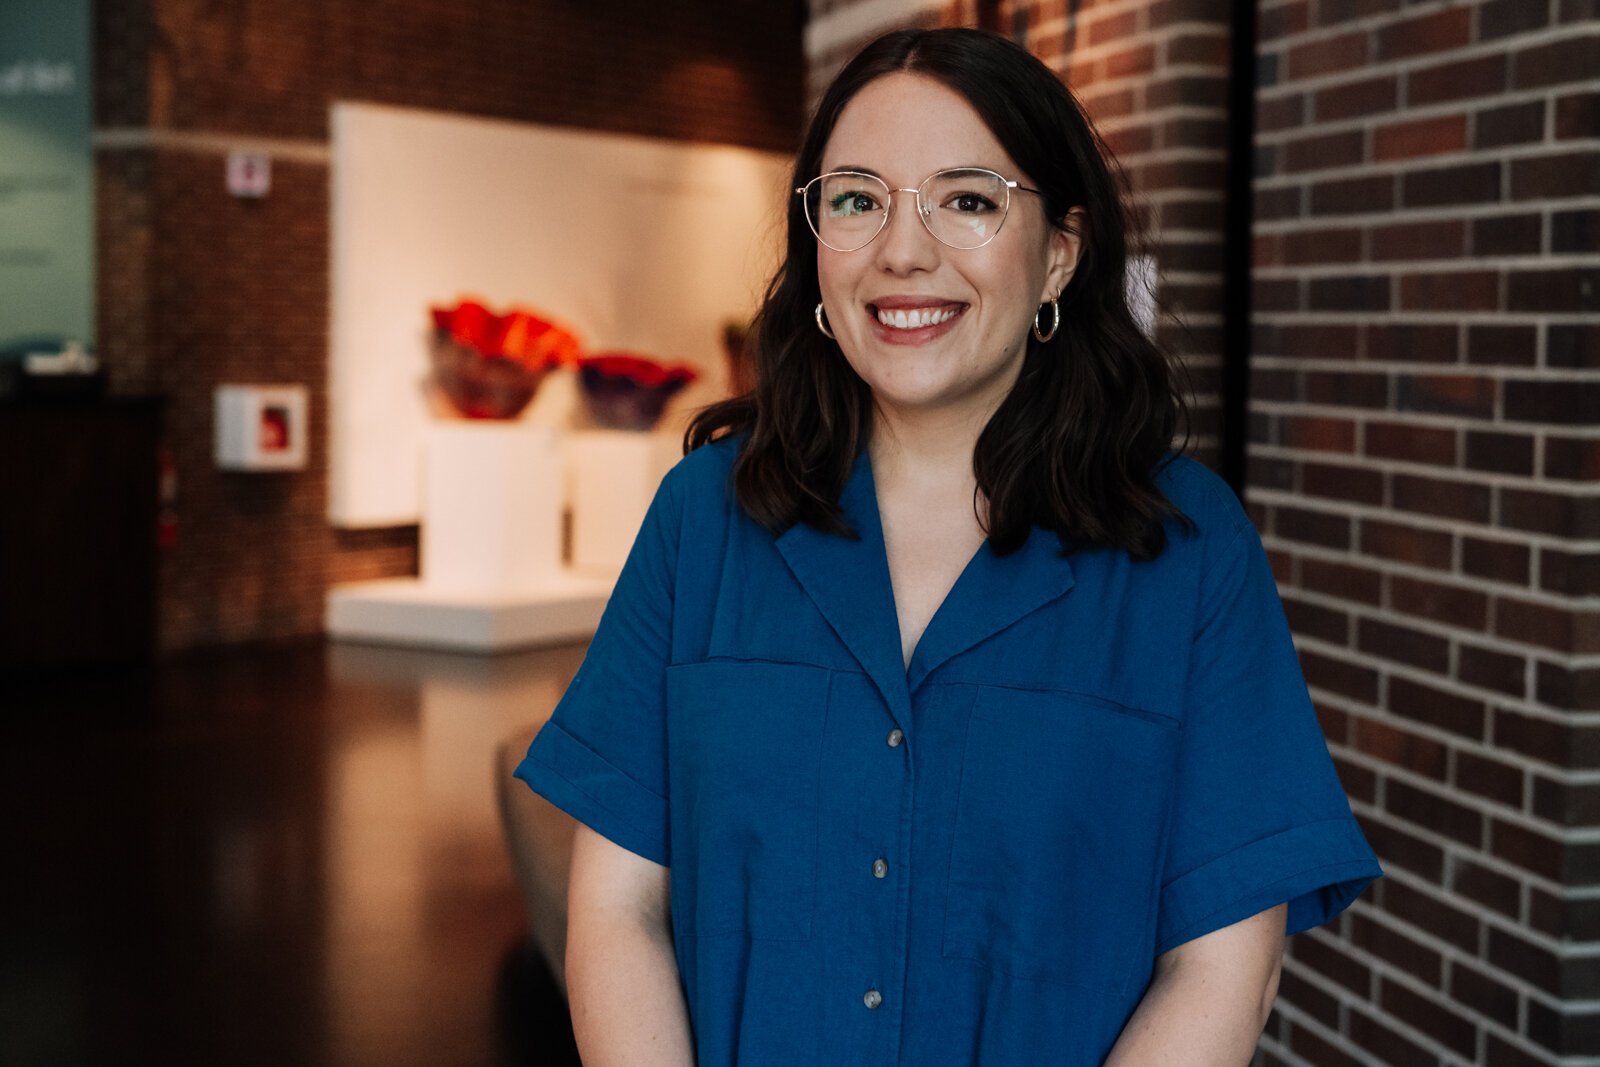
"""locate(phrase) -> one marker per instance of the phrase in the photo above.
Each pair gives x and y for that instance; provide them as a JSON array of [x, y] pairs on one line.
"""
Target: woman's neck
[[924, 450]]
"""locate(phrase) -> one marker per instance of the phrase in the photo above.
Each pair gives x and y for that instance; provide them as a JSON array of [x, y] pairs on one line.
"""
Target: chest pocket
[[745, 759], [1059, 826]]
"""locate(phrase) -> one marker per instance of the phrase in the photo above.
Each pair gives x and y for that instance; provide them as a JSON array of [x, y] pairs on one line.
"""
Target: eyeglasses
[[964, 207]]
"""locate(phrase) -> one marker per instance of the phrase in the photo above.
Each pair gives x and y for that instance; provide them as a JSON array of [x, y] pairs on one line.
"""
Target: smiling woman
[[931, 307], [942, 714]]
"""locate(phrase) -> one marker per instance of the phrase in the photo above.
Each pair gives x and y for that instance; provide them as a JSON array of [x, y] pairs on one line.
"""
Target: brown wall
[[198, 288], [1424, 467]]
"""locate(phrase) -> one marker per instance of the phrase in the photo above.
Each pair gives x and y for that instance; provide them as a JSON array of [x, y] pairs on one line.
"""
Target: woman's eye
[[851, 204], [970, 203]]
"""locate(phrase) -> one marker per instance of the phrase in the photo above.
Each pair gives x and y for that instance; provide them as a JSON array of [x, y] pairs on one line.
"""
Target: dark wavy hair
[[1075, 447]]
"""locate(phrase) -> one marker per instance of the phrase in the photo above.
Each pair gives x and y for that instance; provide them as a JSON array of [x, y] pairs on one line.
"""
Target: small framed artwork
[[261, 427]]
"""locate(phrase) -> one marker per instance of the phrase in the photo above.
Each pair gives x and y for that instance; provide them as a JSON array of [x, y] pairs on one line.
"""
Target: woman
[[941, 716]]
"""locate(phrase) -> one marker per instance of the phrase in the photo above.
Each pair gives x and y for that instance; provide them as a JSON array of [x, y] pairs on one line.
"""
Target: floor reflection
[[282, 855]]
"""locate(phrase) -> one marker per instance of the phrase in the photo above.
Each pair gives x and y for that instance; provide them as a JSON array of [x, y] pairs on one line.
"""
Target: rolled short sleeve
[[602, 756], [1259, 815]]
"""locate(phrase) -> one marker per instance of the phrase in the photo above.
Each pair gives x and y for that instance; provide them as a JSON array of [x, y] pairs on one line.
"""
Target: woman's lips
[[908, 323]]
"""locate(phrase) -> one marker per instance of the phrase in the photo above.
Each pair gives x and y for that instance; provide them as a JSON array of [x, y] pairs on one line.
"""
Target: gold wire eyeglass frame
[[924, 211]]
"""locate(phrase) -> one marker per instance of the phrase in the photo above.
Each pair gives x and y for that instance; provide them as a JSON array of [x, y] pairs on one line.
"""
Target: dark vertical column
[[1235, 381]]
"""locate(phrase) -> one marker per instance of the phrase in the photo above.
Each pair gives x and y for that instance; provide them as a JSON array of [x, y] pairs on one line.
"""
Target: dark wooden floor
[[271, 855]]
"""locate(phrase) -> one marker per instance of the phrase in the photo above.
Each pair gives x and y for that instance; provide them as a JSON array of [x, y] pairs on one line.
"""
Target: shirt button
[[880, 867], [895, 737], [872, 999]]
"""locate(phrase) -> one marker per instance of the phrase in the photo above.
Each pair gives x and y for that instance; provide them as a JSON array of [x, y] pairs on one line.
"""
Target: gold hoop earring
[[822, 323], [1040, 335]]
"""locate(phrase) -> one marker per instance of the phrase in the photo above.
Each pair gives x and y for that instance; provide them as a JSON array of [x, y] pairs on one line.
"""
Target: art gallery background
[[1378, 251]]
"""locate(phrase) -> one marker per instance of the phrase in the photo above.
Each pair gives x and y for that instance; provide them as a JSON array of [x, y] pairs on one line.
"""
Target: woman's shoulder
[[707, 465], [701, 476], [1210, 503]]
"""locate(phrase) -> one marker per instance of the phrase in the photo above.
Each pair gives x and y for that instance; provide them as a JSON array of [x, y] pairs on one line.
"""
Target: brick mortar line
[[1431, 419], [1421, 213], [1420, 165], [1425, 522], [1472, 104], [1143, 79], [1189, 196], [1409, 570], [1507, 46], [1417, 369], [1523, 706], [1186, 235], [1154, 113], [1575, 490], [1182, 111], [1397, 268], [1404, 267], [1186, 277], [1191, 319], [1414, 317], [1514, 152], [1177, 154], [1362, 415], [1400, 168]]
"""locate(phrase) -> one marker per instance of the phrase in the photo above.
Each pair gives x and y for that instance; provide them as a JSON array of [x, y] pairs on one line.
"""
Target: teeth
[[915, 318]]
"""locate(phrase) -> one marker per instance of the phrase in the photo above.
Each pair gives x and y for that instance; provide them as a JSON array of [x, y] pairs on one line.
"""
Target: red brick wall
[[1424, 467], [197, 288]]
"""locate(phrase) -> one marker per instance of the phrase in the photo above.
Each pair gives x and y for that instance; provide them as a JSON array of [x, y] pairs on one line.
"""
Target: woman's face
[[978, 303]]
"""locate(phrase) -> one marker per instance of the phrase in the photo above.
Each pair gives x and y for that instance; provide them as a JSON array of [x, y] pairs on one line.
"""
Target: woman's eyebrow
[[855, 168]]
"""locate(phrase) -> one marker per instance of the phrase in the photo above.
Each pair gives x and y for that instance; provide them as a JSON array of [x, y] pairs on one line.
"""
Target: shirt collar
[[848, 580]]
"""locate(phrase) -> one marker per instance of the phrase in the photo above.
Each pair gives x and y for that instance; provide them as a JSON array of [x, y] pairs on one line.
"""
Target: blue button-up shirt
[[976, 859]]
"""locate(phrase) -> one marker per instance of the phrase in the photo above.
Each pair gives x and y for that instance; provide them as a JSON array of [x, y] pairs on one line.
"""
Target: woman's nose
[[906, 243]]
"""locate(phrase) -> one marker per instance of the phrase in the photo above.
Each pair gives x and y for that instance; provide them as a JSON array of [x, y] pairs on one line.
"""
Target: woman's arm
[[1209, 999], [622, 976]]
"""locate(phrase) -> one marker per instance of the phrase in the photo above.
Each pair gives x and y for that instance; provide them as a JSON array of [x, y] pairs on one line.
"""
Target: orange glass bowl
[[489, 366]]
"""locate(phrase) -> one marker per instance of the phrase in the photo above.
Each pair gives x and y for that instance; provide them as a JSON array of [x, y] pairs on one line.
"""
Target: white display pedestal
[[404, 611], [491, 508], [612, 475], [492, 578]]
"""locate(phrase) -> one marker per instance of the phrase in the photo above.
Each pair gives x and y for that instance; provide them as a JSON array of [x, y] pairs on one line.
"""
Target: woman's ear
[[1066, 248]]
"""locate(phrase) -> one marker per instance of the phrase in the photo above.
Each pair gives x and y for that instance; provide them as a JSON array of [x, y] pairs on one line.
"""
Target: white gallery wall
[[638, 244]]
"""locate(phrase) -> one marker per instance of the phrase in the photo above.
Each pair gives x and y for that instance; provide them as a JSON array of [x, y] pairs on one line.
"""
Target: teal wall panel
[[46, 171]]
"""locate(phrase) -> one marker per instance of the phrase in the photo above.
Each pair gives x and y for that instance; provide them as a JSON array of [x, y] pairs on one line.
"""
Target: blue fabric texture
[[1098, 760]]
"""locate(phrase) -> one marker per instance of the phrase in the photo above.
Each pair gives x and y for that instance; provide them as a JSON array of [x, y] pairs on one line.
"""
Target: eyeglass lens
[[962, 208]]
